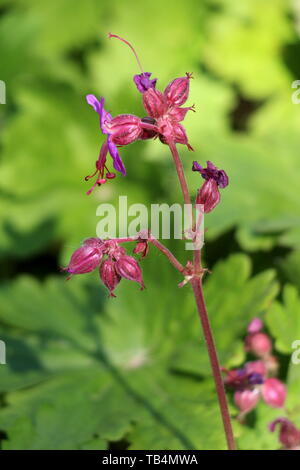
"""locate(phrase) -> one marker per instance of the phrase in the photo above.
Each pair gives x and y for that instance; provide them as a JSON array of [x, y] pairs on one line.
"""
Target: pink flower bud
[[256, 367], [274, 393], [129, 268], [258, 343], [124, 129], [154, 103], [246, 400], [289, 435], [255, 325], [84, 260], [208, 195], [177, 91], [109, 275], [141, 248]]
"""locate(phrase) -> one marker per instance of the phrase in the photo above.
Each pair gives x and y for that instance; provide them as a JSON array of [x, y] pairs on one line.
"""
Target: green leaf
[[258, 437], [244, 44], [232, 297]]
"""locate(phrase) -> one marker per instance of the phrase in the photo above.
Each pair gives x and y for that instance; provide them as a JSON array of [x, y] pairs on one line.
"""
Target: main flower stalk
[[196, 283]]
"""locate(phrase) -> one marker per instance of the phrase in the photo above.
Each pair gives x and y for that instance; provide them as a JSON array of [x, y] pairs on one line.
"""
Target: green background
[[85, 372]]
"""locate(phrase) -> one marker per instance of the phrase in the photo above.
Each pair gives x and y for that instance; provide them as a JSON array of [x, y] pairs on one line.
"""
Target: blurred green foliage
[[82, 371]]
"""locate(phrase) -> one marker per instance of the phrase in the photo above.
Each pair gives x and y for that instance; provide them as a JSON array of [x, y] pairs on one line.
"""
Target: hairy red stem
[[196, 283]]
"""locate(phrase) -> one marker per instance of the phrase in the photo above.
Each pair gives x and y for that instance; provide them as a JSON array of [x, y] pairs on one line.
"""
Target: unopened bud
[[255, 325], [109, 276], [208, 195], [271, 363], [124, 129], [141, 248], [289, 435], [274, 393], [128, 268], [258, 344]]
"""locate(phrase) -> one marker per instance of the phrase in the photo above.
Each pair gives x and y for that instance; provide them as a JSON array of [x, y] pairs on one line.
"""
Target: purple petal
[[143, 82], [118, 164]]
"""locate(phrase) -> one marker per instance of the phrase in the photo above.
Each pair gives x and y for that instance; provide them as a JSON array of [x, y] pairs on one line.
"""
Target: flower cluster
[[255, 380], [163, 121], [111, 260]]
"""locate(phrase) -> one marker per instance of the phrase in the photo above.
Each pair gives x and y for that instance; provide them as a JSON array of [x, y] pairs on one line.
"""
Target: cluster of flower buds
[[289, 435], [111, 260], [255, 380], [209, 195]]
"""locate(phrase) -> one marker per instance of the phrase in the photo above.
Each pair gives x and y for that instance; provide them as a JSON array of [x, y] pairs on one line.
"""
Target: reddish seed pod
[[128, 268], [177, 91], [274, 393], [109, 275], [84, 260], [259, 344], [246, 400], [154, 103], [208, 195], [94, 242], [124, 129]]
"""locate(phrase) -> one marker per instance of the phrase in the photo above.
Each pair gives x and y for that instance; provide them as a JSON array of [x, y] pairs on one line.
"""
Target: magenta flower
[[242, 379]]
